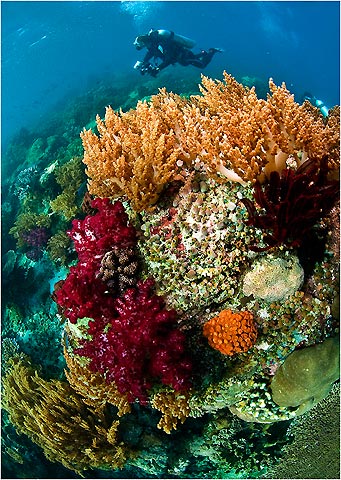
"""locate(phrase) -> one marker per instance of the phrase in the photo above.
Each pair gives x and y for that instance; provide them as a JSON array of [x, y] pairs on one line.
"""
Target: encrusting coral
[[273, 278], [231, 333], [307, 375], [197, 246], [227, 129]]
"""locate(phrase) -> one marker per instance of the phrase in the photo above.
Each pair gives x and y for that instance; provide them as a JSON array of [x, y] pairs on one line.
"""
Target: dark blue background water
[[52, 49]]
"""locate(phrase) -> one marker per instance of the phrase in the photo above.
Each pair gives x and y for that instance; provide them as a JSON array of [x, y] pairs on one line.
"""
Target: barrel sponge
[[273, 278], [307, 375]]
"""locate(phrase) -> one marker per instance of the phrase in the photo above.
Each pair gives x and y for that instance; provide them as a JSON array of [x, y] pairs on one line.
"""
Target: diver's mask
[[139, 42]]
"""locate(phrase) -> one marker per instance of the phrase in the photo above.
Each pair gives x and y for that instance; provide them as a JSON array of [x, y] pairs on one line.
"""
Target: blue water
[[55, 49]]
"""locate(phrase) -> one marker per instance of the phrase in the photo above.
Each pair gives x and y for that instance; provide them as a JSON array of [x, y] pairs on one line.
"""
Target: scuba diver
[[167, 48], [316, 103]]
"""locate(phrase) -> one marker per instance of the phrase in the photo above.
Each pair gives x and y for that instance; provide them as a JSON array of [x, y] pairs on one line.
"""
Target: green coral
[[70, 177], [71, 174], [307, 375], [57, 247], [65, 204], [197, 248]]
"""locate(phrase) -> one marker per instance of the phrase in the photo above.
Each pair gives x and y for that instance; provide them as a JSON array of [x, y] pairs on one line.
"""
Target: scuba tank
[[179, 39], [317, 103], [321, 106]]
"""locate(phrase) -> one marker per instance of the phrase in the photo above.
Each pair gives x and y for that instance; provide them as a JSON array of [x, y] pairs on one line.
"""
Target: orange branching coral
[[231, 333], [227, 131], [92, 387], [54, 417], [135, 155], [174, 407], [256, 135]]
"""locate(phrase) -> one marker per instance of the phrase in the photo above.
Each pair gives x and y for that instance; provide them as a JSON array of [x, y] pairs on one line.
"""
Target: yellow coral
[[54, 417], [92, 387], [227, 131], [231, 333], [174, 407]]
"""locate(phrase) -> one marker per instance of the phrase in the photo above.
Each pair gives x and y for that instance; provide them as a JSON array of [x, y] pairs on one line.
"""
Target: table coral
[[231, 333]]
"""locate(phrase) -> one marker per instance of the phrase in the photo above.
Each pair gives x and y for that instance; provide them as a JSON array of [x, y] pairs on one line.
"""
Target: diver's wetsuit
[[169, 52]]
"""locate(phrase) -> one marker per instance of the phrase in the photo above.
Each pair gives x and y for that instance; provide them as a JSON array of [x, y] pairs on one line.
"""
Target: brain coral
[[230, 332], [273, 278]]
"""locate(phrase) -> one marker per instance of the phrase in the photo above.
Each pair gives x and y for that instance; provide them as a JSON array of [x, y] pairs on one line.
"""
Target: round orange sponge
[[231, 332]]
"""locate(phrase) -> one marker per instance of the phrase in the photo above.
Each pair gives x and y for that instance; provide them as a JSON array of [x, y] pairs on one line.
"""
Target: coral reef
[[194, 297], [231, 333]]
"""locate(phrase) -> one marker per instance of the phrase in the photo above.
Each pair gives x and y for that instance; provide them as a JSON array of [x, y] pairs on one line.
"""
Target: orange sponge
[[231, 332]]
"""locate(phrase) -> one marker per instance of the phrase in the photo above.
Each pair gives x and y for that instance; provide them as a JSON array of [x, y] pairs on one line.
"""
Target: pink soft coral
[[138, 344]]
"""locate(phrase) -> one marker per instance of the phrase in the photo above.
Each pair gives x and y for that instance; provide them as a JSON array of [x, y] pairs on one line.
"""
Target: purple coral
[[292, 202], [36, 239]]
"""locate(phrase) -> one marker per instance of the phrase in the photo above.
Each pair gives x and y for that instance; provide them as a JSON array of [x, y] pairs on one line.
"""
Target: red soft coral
[[139, 343], [134, 338], [98, 233], [83, 294]]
